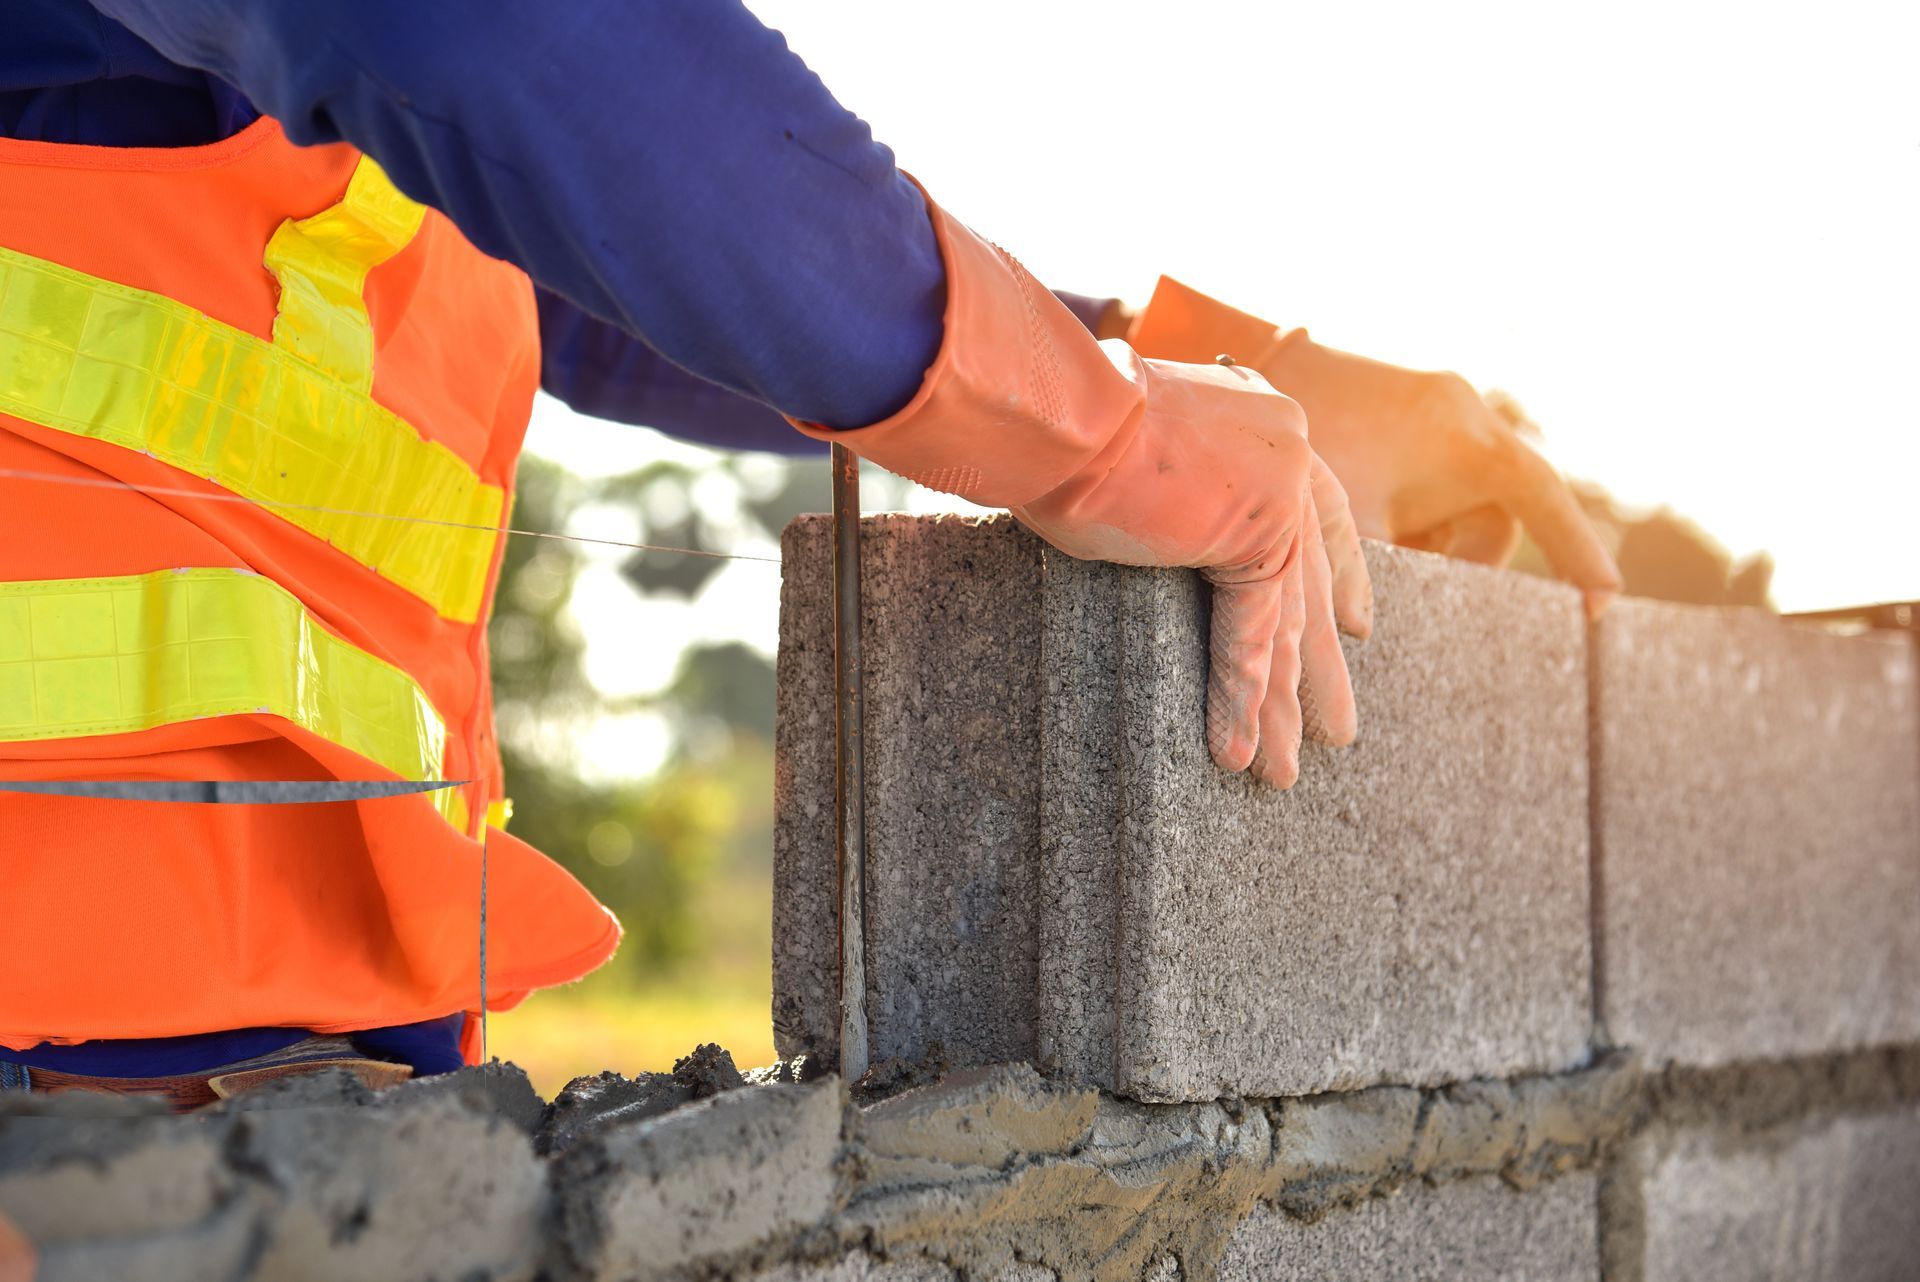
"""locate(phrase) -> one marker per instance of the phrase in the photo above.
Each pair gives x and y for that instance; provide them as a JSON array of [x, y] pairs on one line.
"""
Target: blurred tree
[[721, 696], [642, 850]]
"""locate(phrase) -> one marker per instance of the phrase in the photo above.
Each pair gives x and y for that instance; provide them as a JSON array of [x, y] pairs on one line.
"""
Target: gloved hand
[[1110, 456], [1425, 461]]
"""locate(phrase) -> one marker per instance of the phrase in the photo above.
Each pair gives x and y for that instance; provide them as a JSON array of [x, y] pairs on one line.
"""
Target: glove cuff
[[1179, 323], [1020, 396]]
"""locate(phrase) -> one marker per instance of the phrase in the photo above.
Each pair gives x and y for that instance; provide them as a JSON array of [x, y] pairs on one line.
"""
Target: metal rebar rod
[[850, 823]]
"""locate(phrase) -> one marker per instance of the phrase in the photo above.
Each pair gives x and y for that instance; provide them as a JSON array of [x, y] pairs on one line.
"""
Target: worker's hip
[[184, 1092]]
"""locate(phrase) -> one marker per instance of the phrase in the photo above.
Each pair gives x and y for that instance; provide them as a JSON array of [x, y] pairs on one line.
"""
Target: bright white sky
[[1685, 235]]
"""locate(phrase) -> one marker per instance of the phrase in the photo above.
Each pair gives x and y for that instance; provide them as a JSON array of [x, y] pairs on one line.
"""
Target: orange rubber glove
[[1426, 461], [1109, 456]]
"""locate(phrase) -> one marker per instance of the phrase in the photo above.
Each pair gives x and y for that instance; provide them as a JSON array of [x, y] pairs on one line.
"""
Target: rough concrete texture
[[1043, 818], [1757, 825], [1478, 1229], [1833, 1202], [952, 651], [716, 1181], [996, 1167], [427, 1184], [993, 1173], [1414, 910]]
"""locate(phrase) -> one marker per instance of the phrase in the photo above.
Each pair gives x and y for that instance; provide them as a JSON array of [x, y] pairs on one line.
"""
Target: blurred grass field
[[630, 1023], [559, 1036]]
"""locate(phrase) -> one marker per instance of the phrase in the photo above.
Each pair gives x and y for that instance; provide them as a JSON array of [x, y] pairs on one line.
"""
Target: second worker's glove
[[1110, 456], [1425, 460]]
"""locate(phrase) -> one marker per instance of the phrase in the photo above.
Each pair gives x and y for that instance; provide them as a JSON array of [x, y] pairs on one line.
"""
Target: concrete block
[[122, 1197], [713, 1180], [431, 1185], [1058, 871], [1822, 1203], [1757, 820], [952, 652], [1414, 910], [1476, 1228], [986, 1118], [429, 1188]]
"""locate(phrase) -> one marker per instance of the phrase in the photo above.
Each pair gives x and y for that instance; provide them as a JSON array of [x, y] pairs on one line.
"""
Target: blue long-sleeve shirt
[[711, 234], [698, 211]]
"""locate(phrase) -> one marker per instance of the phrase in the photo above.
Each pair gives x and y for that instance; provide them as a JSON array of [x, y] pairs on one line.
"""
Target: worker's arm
[[670, 167], [602, 370]]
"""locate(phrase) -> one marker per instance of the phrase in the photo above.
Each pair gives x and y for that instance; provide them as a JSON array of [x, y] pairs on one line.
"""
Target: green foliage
[[647, 850]]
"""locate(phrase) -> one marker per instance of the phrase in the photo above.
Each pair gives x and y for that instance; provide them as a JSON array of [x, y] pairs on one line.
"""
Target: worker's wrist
[[1020, 397]]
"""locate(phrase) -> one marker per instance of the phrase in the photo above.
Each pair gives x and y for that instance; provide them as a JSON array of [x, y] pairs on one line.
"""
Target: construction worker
[[227, 335]]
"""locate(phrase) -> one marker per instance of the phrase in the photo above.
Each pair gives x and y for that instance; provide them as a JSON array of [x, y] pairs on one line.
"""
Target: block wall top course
[[1757, 820], [1415, 909], [1057, 871]]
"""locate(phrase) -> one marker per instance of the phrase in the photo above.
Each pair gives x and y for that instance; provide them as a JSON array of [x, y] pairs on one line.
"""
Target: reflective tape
[[107, 656], [322, 264], [83, 355]]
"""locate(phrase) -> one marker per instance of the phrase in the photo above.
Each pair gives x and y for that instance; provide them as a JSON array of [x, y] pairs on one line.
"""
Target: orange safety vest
[[263, 343]]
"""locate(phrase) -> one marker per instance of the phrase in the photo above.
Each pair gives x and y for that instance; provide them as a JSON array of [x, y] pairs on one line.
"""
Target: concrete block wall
[[1688, 835]]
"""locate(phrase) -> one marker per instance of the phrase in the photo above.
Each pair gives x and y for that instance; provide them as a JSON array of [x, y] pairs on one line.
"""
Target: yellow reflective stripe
[[498, 812], [108, 656], [322, 264], [84, 355]]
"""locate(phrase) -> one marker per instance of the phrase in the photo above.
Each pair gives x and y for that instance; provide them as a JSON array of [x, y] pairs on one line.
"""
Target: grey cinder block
[[1476, 1228], [1822, 1203], [1059, 873], [667, 1195], [952, 649], [1414, 910], [1758, 835]]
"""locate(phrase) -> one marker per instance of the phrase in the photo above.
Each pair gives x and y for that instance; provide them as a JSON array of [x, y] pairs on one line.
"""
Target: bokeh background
[[1680, 234]]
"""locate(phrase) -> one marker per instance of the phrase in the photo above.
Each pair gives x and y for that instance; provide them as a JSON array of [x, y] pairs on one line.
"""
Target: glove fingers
[[1245, 617], [1488, 535], [1535, 493], [1352, 589], [1327, 709], [1277, 763]]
